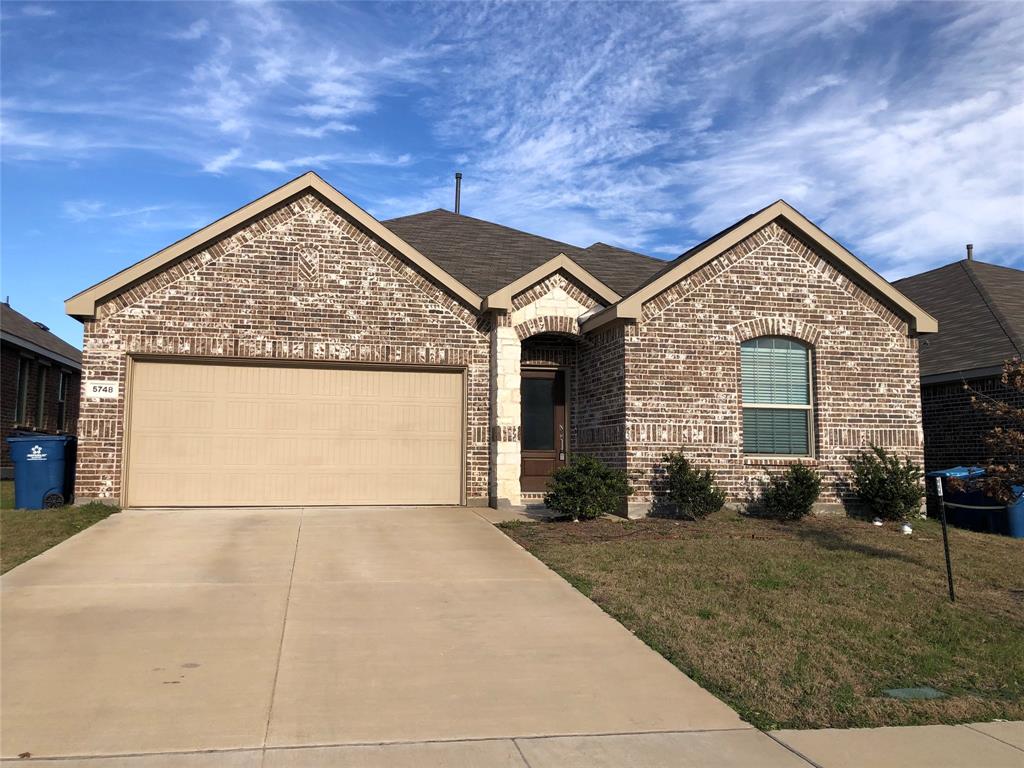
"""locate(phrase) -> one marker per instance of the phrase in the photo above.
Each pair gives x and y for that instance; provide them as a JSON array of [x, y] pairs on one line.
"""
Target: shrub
[[889, 487], [692, 491], [791, 495], [586, 489]]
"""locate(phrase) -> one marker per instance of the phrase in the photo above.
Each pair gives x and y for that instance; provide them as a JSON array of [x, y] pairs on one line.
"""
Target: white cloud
[[194, 31], [332, 126], [37, 10], [222, 162]]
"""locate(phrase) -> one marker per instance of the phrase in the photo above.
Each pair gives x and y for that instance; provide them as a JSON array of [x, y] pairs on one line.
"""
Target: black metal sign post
[[945, 539]]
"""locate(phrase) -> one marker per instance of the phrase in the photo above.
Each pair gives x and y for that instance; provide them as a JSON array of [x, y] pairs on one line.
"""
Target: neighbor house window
[[41, 394], [21, 396], [62, 399], [777, 407]]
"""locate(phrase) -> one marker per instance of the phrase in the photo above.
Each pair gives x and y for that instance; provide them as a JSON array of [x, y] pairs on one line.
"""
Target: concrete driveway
[[406, 636]]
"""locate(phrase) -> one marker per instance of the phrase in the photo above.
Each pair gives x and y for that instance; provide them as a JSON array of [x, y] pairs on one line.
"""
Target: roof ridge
[[990, 303], [493, 224]]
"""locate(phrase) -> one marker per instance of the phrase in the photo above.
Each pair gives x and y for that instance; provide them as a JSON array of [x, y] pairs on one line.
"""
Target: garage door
[[226, 435]]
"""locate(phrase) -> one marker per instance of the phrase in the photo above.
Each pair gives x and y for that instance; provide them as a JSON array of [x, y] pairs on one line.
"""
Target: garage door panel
[[206, 435]]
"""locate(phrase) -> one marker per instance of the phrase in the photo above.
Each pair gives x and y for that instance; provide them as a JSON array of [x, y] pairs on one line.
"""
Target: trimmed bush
[[791, 495], [586, 489], [691, 492], [890, 488]]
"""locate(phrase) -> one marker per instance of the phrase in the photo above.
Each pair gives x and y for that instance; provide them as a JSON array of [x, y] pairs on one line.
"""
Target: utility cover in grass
[[910, 694]]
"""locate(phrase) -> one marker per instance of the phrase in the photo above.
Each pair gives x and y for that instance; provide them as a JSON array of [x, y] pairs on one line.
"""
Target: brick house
[[299, 351], [40, 378], [981, 311]]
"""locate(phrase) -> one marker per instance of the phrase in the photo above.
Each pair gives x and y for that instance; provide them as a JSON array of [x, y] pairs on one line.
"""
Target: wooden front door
[[543, 420]]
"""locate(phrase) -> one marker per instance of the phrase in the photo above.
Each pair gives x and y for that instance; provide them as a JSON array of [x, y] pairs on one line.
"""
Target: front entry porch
[[533, 407]]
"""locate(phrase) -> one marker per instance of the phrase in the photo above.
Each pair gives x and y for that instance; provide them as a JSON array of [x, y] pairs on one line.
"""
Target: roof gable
[[83, 305], [631, 306], [981, 312], [502, 298]]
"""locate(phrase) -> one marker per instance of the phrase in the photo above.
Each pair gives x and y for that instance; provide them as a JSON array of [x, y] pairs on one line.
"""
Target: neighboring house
[[980, 308], [40, 377], [300, 352]]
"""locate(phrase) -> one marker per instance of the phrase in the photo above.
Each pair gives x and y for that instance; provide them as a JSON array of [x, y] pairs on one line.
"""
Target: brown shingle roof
[[487, 256], [15, 326], [980, 309]]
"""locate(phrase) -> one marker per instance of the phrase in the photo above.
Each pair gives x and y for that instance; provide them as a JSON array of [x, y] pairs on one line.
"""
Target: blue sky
[[899, 128]]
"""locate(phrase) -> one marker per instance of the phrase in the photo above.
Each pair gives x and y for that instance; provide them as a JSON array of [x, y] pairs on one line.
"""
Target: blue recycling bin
[[44, 468], [971, 508]]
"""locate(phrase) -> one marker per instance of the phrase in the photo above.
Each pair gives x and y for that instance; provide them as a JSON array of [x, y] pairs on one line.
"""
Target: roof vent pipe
[[970, 246], [458, 190]]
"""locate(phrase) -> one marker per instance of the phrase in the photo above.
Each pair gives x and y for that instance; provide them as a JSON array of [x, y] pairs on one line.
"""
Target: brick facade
[[300, 283], [682, 377], [955, 431], [303, 282], [9, 359]]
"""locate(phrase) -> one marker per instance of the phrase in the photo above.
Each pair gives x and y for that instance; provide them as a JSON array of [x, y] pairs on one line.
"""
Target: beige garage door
[[226, 435]]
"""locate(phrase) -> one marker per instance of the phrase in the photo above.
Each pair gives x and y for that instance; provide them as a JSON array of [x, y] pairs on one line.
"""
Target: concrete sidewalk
[[983, 745]]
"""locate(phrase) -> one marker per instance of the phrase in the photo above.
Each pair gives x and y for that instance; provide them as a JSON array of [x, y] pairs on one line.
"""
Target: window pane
[[775, 371], [775, 430], [22, 395], [41, 394], [538, 414]]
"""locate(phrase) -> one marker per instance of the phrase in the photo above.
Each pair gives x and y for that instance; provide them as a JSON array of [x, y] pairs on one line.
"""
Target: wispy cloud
[[221, 162], [165, 216], [319, 131], [194, 31], [37, 11], [585, 122]]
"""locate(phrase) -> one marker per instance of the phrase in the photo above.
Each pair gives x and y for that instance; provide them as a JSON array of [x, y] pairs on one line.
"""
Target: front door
[[543, 404]]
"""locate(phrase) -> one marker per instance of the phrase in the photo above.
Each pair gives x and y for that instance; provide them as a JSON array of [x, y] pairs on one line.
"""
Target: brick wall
[[300, 283], [682, 378], [954, 431], [9, 357]]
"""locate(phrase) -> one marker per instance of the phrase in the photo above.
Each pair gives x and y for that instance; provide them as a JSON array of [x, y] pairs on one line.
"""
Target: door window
[[538, 397]]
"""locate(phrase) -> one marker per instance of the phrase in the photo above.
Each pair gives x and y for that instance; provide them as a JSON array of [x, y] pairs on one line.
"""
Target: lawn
[[803, 625], [24, 533]]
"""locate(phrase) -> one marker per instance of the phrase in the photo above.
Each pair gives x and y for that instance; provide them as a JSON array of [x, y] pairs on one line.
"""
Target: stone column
[[505, 426]]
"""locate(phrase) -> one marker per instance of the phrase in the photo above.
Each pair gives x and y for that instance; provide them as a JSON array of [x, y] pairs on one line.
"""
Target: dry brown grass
[[802, 625]]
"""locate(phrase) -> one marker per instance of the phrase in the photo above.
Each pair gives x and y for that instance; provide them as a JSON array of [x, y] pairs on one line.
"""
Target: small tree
[[586, 489], [691, 491], [1006, 440], [889, 487], [791, 495]]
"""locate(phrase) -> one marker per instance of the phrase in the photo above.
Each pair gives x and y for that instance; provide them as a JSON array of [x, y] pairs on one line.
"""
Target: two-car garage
[[210, 434]]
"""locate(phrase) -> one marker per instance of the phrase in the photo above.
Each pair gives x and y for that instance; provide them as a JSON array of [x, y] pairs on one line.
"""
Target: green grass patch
[[803, 625], [24, 533]]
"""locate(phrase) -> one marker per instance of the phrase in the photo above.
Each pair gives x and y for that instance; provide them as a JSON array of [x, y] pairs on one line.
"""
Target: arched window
[[777, 403]]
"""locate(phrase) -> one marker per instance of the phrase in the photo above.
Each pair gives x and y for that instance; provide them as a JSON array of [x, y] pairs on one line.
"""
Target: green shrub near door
[[586, 489]]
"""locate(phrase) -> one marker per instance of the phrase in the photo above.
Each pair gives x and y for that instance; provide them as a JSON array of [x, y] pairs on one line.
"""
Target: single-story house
[[40, 377], [980, 308], [300, 352]]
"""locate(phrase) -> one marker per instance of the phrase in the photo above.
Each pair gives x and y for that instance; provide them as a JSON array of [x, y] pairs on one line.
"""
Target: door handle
[[561, 442]]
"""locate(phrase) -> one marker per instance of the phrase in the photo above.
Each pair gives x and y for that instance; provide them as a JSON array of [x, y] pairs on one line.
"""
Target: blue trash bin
[[971, 508], [42, 477]]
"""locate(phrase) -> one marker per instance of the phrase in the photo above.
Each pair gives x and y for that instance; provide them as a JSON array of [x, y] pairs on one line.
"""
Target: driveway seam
[[280, 644], [996, 738], [521, 755], [795, 751]]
